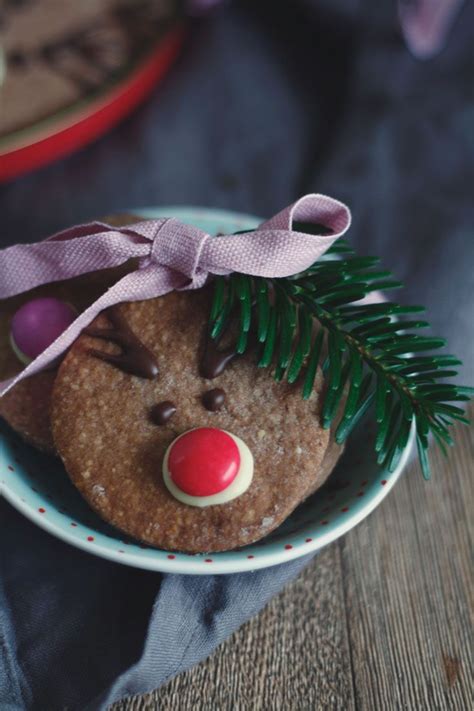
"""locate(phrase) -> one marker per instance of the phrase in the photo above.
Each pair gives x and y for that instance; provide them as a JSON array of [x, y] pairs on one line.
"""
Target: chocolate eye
[[161, 413], [213, 400]]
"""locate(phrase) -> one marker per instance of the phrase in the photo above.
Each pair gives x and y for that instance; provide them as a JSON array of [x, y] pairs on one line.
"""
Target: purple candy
[[38, 323]]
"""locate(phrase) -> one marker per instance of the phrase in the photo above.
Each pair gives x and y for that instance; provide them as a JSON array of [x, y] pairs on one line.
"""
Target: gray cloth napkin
[[260, 109]]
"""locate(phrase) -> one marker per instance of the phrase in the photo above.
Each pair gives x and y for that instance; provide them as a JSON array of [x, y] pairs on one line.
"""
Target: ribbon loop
[[171, 255], [313, 209]]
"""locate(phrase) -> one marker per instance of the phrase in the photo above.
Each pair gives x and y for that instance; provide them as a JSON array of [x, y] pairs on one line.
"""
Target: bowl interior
[[38, 486]]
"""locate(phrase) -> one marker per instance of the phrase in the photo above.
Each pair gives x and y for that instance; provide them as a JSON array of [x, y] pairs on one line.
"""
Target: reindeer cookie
[[165, 431], [162, 418], [178, 444]]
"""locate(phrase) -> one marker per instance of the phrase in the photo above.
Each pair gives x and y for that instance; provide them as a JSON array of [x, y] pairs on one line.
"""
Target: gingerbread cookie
[[169, 454], [162, 418], [25, 322]]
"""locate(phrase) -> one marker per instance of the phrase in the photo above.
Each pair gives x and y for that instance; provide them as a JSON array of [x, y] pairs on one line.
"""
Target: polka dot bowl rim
[[52, 503]]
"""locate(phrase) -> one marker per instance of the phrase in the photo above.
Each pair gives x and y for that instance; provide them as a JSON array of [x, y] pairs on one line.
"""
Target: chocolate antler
[[135, 357]]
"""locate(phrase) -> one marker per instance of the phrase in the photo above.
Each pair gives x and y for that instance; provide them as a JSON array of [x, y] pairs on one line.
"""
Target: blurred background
[[246, 105]]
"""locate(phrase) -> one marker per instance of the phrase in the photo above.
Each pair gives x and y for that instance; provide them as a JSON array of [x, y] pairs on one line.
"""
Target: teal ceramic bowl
[[38, 486]]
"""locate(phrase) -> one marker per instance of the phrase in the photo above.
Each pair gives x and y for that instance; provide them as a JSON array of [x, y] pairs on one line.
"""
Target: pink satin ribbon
[[171, 255]]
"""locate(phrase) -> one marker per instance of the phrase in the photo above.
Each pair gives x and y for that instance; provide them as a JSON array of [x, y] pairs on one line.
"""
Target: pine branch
[[368, 353]]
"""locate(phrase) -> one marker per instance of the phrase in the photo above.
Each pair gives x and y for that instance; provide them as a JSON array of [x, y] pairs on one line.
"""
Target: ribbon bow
[[171, 255]]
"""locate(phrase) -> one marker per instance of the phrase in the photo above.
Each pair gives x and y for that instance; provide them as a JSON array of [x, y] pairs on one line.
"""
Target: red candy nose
[[204, 461]]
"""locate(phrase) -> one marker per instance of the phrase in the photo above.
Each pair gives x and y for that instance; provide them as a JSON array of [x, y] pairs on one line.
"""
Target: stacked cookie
[[26, 408], [181, 446]]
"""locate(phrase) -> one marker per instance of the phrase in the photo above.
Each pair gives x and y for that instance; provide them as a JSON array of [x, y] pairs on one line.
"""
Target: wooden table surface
[[379, 620]]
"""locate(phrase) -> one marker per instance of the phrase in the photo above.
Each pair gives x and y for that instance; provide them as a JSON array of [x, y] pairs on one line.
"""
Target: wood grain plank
[[294, 655], [407, 580], [403, 582]]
